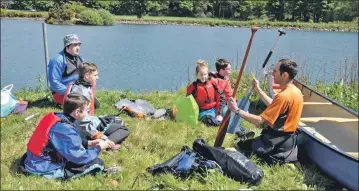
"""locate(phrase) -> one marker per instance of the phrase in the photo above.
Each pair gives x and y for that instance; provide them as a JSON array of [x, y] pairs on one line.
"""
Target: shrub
[[91, 17], [77, 7], [3, 12], [50, 20], [61, 12], [107, 17]]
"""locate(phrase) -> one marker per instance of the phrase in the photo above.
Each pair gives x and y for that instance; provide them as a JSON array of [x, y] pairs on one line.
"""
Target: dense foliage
[[278, 10]]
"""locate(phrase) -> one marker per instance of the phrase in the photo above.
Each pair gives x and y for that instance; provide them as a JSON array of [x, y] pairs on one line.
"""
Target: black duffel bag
[[234, 164]]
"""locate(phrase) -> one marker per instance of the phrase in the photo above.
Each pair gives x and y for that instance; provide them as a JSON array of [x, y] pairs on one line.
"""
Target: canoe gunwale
[[329, 99], [311, 135]]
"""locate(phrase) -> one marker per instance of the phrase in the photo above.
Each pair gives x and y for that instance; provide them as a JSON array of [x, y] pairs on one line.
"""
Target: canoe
[[328, 135]]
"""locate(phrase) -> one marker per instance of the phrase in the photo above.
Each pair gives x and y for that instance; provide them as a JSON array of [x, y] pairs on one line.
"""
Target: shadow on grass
[[43, 103], [313, 176], [16, 168]]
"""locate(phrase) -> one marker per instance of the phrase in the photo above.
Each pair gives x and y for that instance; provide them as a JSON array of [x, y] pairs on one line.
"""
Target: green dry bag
[[187, 110]]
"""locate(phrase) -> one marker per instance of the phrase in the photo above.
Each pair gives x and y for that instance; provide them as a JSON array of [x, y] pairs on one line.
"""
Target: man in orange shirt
[[277, 142]]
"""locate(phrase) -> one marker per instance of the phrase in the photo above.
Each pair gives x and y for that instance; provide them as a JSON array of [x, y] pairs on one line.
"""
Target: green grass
[[23, 14], [151, 141]]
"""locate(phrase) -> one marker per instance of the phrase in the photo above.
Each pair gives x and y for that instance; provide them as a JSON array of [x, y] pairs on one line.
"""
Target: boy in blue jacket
[[56, 150]]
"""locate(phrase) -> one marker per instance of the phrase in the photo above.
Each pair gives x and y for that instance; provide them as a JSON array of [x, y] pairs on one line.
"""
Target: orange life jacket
[[40, 136], [92, 101]]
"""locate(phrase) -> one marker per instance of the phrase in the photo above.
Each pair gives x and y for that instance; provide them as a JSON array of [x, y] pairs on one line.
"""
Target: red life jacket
[[40, 136], [204, 94], [92, 101], [223, 84]]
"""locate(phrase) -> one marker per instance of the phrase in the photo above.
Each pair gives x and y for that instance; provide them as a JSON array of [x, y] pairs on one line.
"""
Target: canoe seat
[[333, 119], [317, 103], [354, 154]]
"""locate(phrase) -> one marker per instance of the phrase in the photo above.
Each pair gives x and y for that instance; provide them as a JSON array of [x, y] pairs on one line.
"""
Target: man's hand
[[232, 104], [256, 87]]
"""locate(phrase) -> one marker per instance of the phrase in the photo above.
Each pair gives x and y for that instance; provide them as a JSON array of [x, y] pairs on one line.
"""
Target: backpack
[[234, 164], [185, 164], [139, 109]]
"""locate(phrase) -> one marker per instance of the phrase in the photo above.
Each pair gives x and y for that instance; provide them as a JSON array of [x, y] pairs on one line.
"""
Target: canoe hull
[[333, 163]]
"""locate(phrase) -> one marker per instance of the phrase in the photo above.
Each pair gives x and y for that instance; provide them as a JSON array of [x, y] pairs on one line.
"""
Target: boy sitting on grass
[[85, 84], [56, 150], [108, 128]]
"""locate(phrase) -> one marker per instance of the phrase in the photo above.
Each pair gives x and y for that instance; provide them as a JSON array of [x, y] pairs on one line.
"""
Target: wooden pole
[[44, 35], [224, 125]]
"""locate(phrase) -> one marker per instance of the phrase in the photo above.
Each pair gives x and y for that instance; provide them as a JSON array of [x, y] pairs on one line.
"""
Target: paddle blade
[[187, 110]]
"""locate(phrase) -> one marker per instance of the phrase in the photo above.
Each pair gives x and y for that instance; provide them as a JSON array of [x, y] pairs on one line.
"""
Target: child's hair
[[201, 64], [222, 64], [87, 67], [74, 101]]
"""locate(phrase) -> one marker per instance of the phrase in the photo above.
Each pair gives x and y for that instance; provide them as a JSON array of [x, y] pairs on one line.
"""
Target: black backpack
[[184, 164], [234, 164]]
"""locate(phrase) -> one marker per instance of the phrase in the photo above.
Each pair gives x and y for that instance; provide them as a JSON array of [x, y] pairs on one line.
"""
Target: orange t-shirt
[[283, 114]]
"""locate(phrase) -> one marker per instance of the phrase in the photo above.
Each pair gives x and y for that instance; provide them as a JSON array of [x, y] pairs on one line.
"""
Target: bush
[[77, 7], [61, 12], [50, 20], [107, 17], [91, 17], [3, 12]]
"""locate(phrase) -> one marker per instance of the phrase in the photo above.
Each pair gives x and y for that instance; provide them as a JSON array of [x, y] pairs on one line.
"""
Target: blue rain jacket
[[67, 142], [56, 68]]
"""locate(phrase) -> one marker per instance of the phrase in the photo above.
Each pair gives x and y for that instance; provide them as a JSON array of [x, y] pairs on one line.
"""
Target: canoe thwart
[[333, 119], [318, 103], [354, 154]]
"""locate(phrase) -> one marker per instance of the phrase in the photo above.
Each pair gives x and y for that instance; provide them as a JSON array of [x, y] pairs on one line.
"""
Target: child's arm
[[89, 127], [190, 89]]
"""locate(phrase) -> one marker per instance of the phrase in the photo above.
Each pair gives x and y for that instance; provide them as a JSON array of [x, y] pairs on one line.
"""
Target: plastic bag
[[8, 101], [187, 110]]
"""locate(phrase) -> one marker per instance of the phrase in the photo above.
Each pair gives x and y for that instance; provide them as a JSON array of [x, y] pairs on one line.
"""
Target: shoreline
[[184, 23], [163, 22]]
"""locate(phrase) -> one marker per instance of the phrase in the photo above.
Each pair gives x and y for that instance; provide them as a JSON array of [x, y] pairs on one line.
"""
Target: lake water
[[156, 57]]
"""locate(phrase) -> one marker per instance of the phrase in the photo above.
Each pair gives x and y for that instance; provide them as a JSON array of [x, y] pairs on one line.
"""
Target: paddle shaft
[[224, 125], [269, 55]]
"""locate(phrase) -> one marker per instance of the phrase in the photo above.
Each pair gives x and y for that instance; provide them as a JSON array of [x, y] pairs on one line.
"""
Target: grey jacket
[[88, 128]]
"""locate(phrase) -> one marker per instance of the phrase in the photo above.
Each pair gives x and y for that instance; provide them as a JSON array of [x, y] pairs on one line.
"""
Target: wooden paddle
[[223, 128]]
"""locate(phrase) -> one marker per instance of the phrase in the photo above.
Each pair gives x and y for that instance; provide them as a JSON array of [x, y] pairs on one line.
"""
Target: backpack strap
[[194, 91]]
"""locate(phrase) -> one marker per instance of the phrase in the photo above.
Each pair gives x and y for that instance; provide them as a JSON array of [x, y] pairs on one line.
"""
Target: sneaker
[[244, 135], [112, 170]]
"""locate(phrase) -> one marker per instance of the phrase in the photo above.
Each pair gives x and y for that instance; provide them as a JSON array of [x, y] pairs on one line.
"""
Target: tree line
[[273, 10]]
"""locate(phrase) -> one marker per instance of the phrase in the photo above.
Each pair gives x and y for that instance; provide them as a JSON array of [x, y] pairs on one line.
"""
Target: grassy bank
[[334, 26], [151, 142]]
